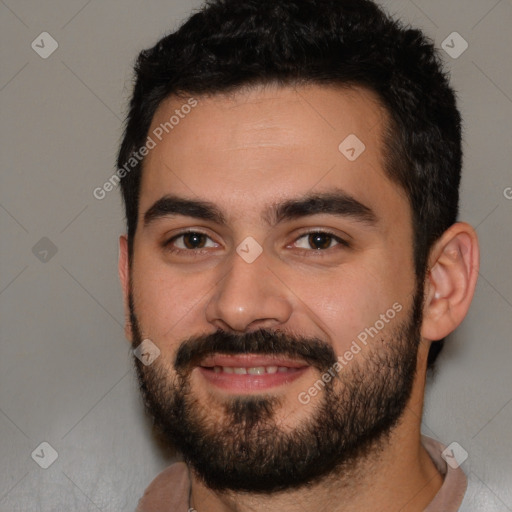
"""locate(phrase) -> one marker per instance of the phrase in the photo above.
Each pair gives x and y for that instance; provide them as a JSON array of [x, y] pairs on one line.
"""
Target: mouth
[[248, 373]]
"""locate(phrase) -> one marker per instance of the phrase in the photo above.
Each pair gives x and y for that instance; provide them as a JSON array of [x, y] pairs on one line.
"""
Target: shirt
[[169, 491]]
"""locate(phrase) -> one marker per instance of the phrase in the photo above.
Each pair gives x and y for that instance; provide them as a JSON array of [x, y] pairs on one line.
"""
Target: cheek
[[350, 302], [167, 302]]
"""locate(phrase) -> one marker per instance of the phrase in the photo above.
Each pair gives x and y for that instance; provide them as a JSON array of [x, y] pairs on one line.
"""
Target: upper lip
[[250, 361]]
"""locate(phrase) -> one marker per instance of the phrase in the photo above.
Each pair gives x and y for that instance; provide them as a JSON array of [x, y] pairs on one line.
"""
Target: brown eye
[[319, 241], [194, 240], [189, 241]]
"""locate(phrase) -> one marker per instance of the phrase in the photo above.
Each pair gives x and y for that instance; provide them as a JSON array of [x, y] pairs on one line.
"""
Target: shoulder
[[451, 494], [168, 492]]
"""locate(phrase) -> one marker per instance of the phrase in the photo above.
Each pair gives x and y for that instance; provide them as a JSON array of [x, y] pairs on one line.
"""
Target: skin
[[262, 146]]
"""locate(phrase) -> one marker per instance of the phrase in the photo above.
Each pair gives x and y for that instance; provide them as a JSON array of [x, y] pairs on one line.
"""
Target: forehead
[[254, 146]]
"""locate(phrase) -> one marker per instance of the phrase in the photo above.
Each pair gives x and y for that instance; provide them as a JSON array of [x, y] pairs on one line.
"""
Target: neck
[[397, 474]]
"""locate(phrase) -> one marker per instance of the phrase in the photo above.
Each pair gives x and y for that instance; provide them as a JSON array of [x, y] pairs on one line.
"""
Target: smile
[[254, 370], [250, 372]]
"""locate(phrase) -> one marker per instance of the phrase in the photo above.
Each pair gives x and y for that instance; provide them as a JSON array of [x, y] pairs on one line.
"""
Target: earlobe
[[124, 277], [451, 281]]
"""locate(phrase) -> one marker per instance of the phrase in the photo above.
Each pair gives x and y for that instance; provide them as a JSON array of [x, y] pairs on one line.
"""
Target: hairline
[[389, 130]]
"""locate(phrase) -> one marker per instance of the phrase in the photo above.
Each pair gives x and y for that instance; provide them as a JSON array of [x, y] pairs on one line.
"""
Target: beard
[[244, 449]]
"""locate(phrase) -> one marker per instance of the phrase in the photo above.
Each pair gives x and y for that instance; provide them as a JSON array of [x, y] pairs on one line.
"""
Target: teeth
[[257, 370], [254, 370]]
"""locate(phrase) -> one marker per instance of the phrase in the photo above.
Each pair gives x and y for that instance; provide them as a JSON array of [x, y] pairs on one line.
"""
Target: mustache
[[313, 351]]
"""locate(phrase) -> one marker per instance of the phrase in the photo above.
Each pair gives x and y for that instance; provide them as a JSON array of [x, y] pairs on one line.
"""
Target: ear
[[124, 277], [450, 282]]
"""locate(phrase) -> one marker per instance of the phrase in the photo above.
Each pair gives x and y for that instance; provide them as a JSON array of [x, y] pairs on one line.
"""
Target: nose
[[249, 297]]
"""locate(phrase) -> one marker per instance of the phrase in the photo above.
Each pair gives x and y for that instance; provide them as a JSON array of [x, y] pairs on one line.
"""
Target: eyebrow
[[336, 202]]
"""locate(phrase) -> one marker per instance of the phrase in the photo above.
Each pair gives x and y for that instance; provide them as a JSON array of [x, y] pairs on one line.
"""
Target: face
[[273, 269]]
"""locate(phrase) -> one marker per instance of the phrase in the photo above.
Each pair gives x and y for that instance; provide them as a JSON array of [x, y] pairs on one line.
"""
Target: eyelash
[[318, 252]]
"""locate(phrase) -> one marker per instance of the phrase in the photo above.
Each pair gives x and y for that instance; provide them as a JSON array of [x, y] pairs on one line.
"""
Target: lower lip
[[245, 383]]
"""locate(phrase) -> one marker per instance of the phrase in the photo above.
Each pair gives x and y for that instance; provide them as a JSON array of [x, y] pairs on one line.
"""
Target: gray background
[[65, 369]]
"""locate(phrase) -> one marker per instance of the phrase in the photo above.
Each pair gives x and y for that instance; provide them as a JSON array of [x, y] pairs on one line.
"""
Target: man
[[293, 260]]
